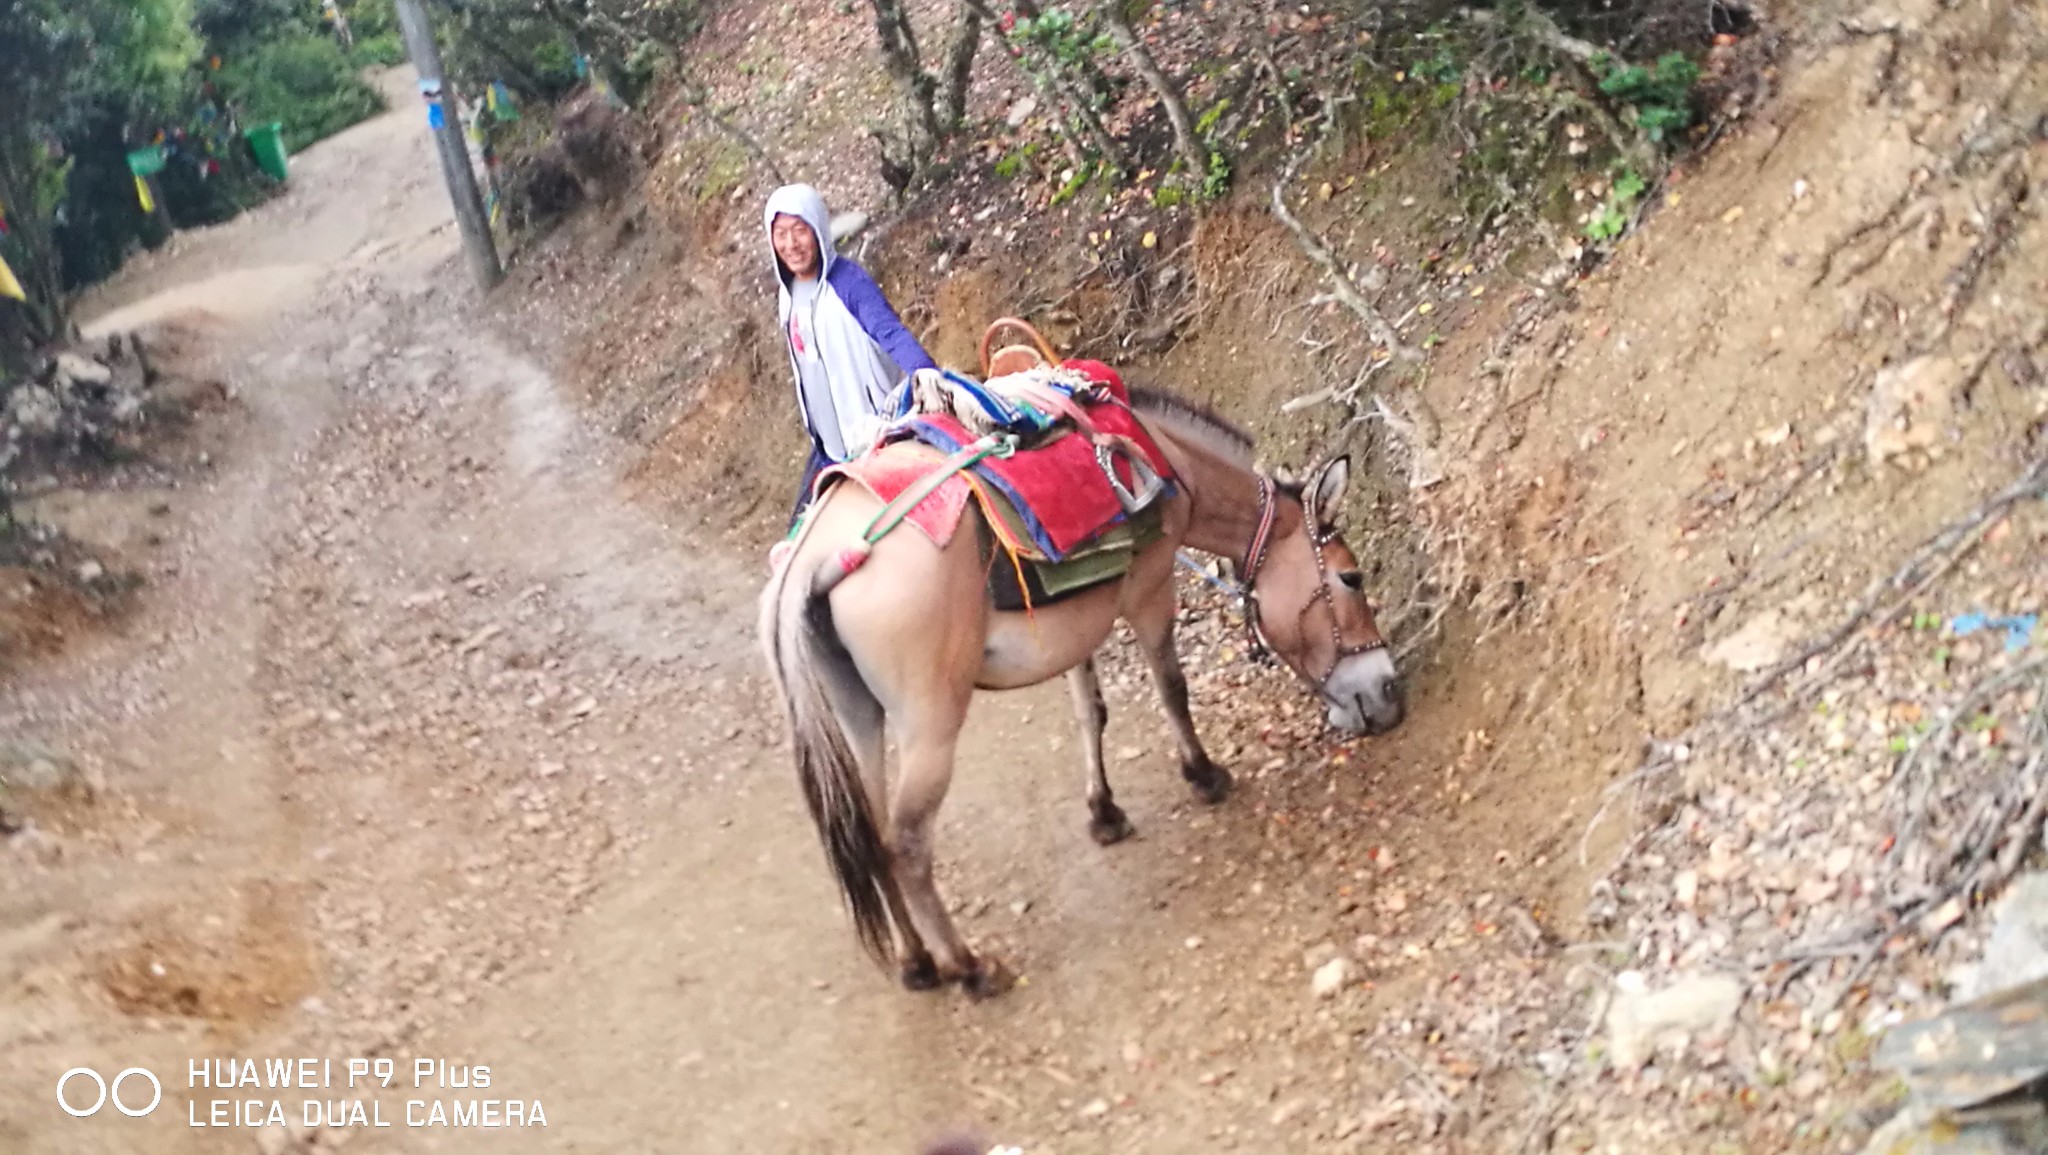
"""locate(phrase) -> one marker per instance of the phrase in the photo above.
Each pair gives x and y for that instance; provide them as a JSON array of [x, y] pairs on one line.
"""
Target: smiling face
[[796, 244]]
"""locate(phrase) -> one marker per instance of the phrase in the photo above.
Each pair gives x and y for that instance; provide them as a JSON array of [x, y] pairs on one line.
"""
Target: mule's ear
[[1326, 490]]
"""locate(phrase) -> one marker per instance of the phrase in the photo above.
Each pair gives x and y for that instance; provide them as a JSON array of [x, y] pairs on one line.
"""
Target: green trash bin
[[267, 141]]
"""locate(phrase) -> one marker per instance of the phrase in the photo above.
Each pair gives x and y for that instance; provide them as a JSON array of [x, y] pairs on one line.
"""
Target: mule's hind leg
[[1106, 819], [927, 755], [862, 717], [1151, 619]]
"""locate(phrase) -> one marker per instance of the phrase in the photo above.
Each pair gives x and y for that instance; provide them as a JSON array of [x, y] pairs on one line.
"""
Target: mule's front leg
[[1152, 621], [1106, 821]]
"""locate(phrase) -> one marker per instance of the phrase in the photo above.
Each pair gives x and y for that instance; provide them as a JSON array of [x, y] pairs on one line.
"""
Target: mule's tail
[[810, 664]]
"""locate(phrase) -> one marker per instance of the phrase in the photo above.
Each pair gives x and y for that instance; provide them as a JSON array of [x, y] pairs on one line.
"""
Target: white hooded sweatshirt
[[847, 349]]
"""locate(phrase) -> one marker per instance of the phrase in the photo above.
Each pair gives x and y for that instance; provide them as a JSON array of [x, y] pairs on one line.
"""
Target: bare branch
[[1341, 284], [1538, 24], [1192, 154], [699, 98]]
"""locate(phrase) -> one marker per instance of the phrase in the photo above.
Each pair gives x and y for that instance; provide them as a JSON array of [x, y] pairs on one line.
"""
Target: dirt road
[[427, 743]]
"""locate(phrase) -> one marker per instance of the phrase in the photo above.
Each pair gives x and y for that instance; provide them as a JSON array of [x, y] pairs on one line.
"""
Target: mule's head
[[1309, 608]]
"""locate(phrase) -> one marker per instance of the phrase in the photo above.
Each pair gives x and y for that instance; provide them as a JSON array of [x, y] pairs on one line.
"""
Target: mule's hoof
[[920, 973], [1110, 827], [1211, 782], [988, 979]]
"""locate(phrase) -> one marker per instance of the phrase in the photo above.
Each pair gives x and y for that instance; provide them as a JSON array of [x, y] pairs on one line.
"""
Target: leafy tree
[[71, 63], [86, 82]]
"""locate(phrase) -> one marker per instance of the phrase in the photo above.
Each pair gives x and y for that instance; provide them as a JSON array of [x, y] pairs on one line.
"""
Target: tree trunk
[[1192, 154], [960, 50], [915, 87]]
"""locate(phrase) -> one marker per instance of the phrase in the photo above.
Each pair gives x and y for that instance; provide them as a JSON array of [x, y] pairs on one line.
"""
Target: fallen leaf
[[1151, 240], [1732, 215]]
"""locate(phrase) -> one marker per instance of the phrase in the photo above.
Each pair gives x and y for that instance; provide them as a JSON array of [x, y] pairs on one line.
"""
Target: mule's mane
[[1196, 421]]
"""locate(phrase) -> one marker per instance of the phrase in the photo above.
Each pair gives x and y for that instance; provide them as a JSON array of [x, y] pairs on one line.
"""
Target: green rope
[[892, 515]]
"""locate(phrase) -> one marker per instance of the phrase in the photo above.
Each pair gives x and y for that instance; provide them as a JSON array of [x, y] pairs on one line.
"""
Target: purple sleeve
[[865, 301]]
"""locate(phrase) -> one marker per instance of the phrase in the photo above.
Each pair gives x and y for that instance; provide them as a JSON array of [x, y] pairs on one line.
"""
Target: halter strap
[[1255, 560], [1262, 536]]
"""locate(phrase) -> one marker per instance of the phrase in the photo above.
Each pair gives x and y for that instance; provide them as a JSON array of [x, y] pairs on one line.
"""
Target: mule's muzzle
[[1366, 695], [1391, 710]]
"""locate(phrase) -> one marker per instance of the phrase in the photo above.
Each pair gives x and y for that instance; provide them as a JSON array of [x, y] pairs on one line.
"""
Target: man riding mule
[[868, 623]]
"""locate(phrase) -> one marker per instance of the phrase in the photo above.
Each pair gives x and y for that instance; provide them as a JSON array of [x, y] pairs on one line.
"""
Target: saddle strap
[[966, 457]]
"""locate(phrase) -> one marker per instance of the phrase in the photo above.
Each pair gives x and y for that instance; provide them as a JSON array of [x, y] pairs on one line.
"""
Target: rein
[[1263, 649]]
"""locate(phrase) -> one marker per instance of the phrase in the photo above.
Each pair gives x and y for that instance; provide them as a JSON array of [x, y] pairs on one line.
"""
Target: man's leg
[[812, 468]]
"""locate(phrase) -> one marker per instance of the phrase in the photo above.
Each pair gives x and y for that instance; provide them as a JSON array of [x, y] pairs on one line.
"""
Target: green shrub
[[1074, 184], [1661, 93], [304, 83], [1610, 219], [381, 51], [371, 19], [1216, 181], [637, 73], [1442, 68]]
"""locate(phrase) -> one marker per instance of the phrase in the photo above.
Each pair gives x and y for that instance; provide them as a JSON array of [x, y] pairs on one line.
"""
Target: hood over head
[[805, 202]]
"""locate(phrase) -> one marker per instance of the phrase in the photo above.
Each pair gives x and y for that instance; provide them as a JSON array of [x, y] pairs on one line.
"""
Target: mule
[[905, 638]]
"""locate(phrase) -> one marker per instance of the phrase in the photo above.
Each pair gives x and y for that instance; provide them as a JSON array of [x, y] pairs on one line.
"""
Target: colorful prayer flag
[[9, 287], [500, 100]]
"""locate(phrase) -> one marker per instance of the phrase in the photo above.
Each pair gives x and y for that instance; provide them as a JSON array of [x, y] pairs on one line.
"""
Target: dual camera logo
[[67, 1096]]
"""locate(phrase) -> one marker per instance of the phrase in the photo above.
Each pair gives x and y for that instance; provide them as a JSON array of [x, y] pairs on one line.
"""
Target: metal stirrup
[[1147, 478]]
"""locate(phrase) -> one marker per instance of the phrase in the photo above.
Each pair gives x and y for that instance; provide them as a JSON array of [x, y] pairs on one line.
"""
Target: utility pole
[[446, 122]]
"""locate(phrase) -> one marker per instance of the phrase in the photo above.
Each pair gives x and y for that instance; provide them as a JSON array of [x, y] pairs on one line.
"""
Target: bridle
[[1263, 649]]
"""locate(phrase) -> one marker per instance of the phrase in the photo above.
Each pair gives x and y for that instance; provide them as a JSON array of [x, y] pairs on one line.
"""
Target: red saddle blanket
[[1058, 489]]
